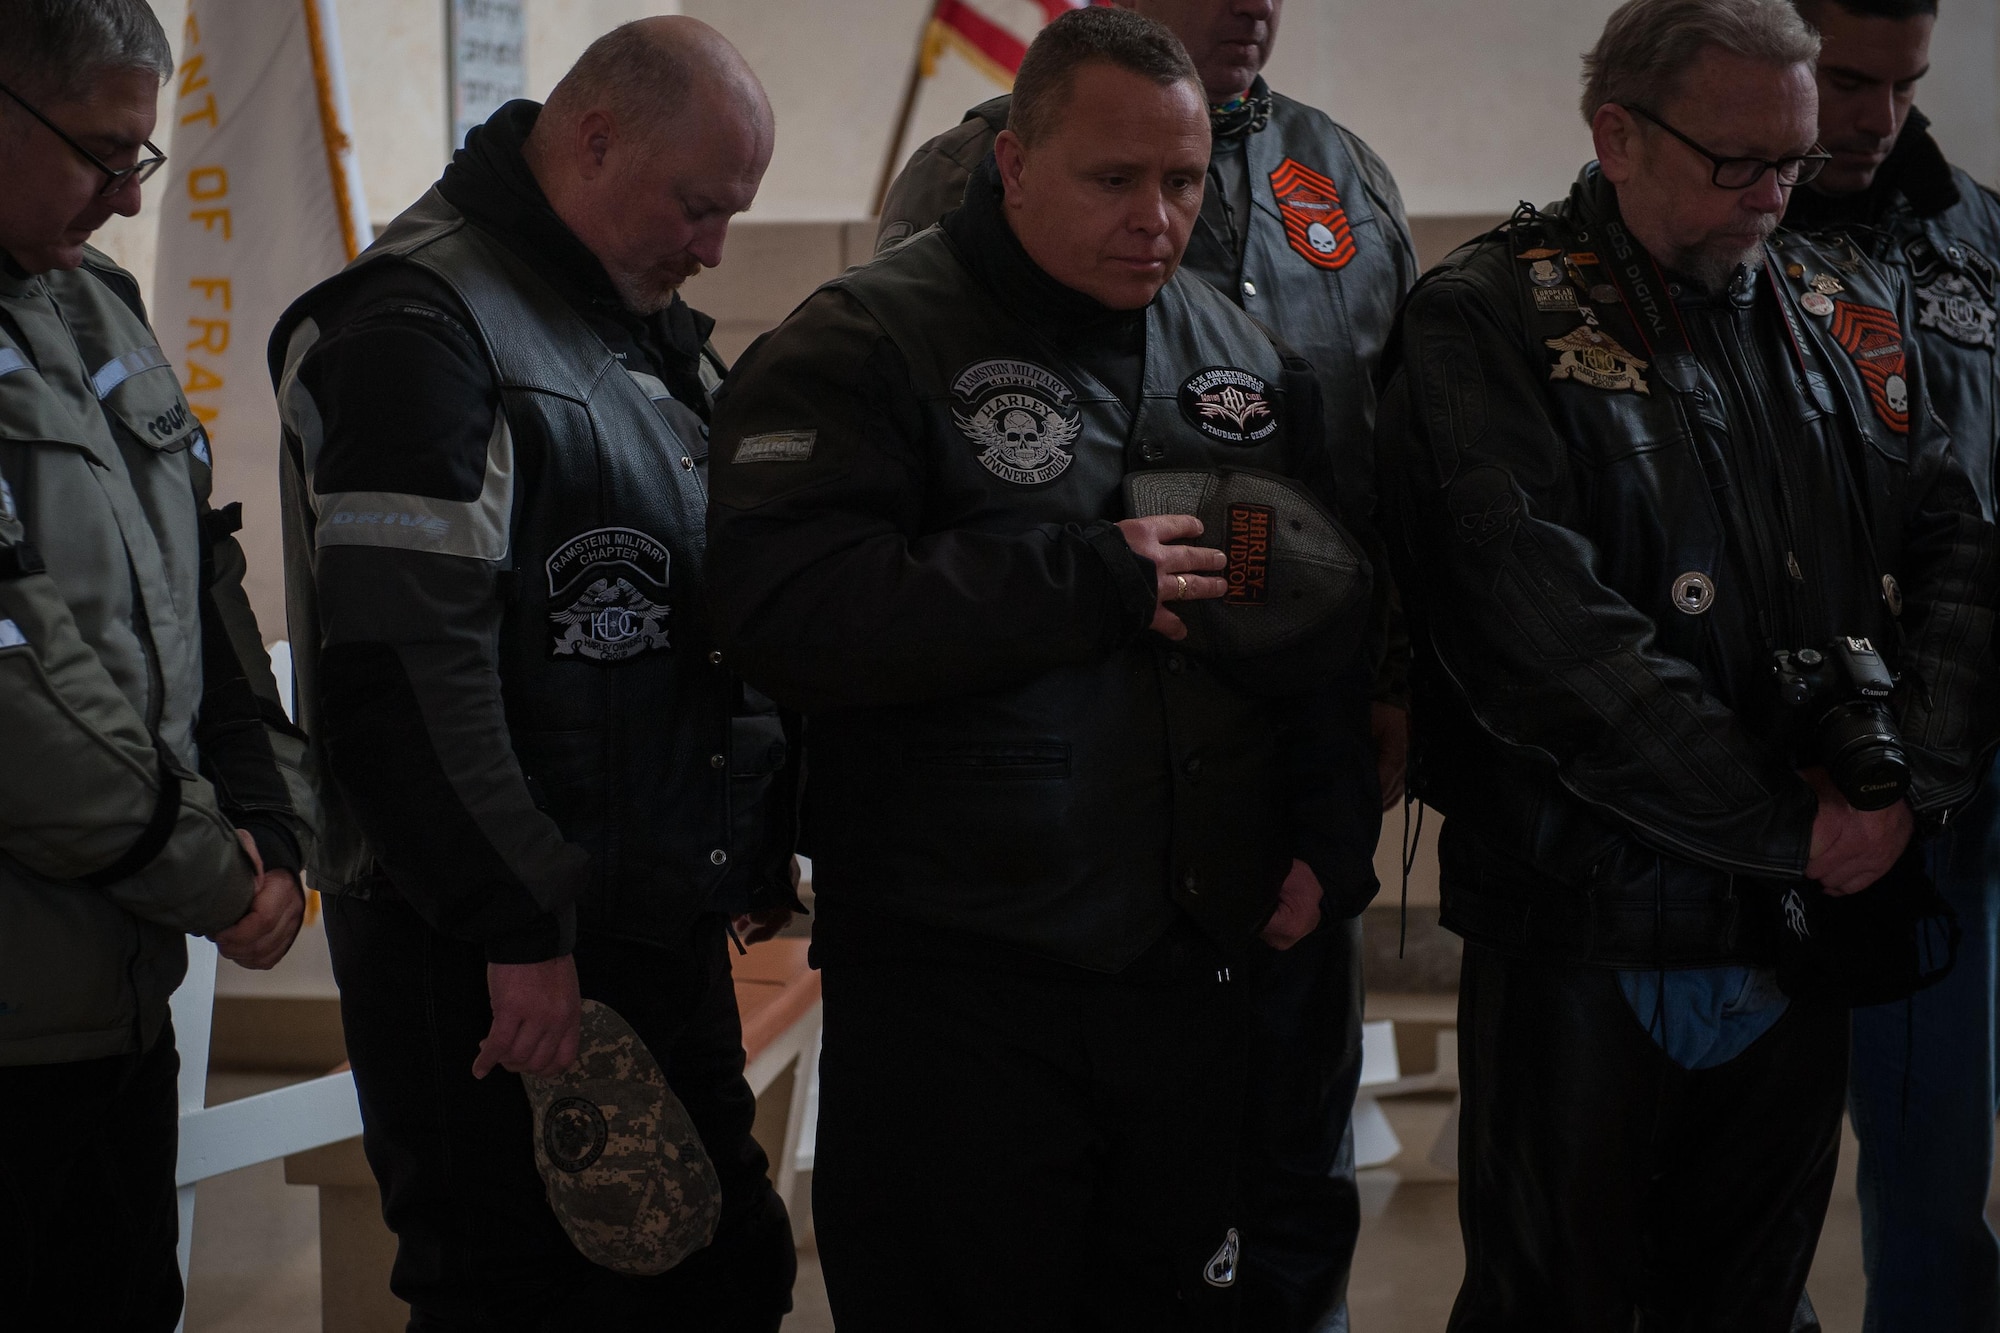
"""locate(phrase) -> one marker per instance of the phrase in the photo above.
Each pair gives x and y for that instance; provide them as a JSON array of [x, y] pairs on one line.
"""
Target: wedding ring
[[1181, 579]]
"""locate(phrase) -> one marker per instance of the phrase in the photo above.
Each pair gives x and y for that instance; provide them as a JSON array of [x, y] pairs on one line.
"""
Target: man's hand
[[1851, 849], [1177, 566], [277, 910], [1391, 726], [537, 1018], [1298, 909]]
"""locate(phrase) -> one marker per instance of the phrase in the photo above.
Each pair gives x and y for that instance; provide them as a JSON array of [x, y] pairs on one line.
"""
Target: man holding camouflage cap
[[545, 785]]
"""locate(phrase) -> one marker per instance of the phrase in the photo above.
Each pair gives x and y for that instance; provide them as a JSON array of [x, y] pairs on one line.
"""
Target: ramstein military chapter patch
[[1229, 405], [1315, 222], [608, 596], [1022, 418], [1873, 340], [1591, 356]]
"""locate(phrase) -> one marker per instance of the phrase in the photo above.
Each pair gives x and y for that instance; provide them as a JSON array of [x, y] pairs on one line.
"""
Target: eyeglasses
[[114, 177], [1740, 173]]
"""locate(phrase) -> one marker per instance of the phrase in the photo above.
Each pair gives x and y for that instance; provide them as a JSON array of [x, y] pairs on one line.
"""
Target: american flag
[[992, 34]]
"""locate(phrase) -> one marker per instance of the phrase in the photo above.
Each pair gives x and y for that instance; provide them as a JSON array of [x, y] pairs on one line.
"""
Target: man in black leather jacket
[[1631, 448], [1922, 1094], [1043, 830], [542, 783], [1302, 226]]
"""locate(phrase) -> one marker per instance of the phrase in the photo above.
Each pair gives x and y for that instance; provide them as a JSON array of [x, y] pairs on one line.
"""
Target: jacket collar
[[1916, 172], [979, 231]]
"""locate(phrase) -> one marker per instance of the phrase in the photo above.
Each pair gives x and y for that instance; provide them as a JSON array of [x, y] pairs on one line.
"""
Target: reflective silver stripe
[[650, 385], [476, 529], [135, 362], [11, 361]]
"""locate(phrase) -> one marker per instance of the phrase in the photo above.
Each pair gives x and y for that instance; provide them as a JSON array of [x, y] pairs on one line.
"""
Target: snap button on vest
[[718, 857], [1249, 287]]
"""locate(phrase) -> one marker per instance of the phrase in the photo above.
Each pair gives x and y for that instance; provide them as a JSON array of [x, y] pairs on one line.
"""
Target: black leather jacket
[[999, 747], [1942, 228], [1609, 500]]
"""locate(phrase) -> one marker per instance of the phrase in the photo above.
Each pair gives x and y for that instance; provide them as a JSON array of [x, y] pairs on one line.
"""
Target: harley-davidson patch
[[1873, 340], [1591, 356], [1249, 572], [608, 596], [1229, 405], [1315, 223], [1952, 304], [1022, 418]]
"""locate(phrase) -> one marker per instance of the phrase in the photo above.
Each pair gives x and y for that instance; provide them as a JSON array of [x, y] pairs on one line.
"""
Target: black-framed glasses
[[114, 177], [1740, 173]]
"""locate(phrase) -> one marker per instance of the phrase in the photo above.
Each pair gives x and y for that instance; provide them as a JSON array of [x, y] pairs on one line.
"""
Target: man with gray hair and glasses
[[149, 781], [1700, 604]]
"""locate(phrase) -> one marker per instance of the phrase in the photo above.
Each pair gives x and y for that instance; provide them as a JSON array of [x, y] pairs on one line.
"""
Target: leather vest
[[617, 704], [1323, 269], [1066, 815], [1952, 258]]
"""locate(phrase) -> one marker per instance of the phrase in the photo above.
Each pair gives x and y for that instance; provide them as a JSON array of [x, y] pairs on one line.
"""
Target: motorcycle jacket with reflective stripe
[[607, 784], [1611, 498], [915, 481]]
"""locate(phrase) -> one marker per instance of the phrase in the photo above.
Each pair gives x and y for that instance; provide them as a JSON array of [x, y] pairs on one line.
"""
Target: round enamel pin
[[1816, 303]]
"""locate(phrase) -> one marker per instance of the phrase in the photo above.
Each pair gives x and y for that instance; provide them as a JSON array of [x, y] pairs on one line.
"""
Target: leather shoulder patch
[[1315, 222], [1873, 339]]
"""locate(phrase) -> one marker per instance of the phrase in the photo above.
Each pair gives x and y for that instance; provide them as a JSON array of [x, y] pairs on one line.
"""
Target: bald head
[[657, 137]]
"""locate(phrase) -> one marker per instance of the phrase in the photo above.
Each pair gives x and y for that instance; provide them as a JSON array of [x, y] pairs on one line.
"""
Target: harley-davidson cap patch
[[608, 596], [1873, 340], [1315, 223], [1249, 572], [1230, 405]]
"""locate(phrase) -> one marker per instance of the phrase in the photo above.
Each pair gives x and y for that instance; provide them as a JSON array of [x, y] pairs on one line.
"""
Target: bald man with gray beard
[[543, 785]]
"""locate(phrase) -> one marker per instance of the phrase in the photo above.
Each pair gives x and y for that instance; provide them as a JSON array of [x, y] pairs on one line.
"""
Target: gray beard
[[638, 295], [1713, 270]]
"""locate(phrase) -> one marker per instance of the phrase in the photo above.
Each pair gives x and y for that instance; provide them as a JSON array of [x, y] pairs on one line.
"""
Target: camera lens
[[1864, 755]]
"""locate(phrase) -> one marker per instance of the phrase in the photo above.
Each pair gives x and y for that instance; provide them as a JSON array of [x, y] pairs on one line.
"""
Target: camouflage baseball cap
[[625, 1171]]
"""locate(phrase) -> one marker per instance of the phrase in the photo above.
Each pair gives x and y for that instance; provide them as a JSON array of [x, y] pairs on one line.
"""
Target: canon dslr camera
[[1837, 703]]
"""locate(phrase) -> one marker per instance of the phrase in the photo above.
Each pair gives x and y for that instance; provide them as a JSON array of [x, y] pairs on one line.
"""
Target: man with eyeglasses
[[1632, 448], [150, 785], [1922, 1093]]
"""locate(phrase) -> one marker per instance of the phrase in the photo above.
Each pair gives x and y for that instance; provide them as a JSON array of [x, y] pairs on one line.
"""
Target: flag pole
[[903, 114]]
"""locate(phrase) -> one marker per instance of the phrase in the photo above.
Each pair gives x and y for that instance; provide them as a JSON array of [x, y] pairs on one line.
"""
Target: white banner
[[263, 200]]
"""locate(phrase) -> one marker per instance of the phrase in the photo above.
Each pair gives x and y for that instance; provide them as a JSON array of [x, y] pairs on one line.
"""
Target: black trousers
[[1603, 1187], [1302, 1211], [88, 1217], [1003, 1151], [477, 1245]]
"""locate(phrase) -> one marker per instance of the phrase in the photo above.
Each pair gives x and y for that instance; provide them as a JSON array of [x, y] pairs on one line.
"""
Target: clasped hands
[[265, 933]]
